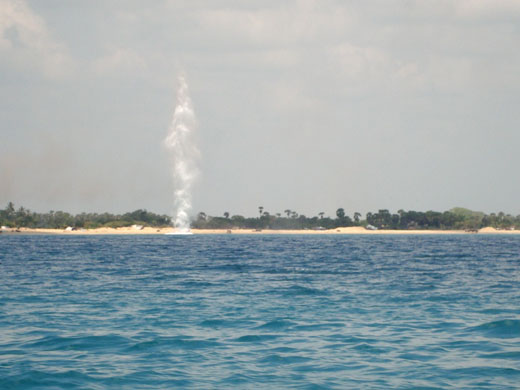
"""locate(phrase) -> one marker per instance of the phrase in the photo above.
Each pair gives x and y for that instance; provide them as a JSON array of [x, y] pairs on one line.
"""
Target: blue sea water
[[259, 312]]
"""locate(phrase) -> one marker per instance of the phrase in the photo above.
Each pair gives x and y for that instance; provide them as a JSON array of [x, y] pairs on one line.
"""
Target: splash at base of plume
[[179, 233], [184, 154]]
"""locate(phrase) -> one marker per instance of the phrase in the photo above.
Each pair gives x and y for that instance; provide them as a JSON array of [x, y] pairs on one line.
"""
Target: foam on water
[[179, 233]]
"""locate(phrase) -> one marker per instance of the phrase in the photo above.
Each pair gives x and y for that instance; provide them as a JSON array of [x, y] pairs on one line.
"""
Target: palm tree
[[260, 210], [321, 214], [9, 210], [340, 213], [288, 212], [226, 215], [357, 215]]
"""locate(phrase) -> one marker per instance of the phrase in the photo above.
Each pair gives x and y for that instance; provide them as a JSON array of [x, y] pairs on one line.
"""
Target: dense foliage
[[60, 220], [457, 218]]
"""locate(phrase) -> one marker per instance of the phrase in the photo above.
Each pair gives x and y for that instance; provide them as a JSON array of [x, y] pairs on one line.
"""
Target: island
[[455, 221]]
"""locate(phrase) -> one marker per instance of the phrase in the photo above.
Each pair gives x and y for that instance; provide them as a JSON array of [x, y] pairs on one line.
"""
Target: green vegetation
[[457, 218], [60, 220]]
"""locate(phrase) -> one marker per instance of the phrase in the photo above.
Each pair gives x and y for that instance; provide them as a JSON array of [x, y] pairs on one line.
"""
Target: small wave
[[347, 339], [513, 355], [499, 329], [279, 350], [316, 386], [255, 338], [416, 357], [302, 290], [214, 323], [41, 379], [238, 379], [169, 291], [276, 325], [173, 342], [230, 268], [56, 343], [218, 323], [279, 359], [484, 371], [319, 327], [367, 348], [198, 284]]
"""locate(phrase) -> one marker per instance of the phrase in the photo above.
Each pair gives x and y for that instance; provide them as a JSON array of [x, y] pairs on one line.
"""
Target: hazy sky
[[306, 105]]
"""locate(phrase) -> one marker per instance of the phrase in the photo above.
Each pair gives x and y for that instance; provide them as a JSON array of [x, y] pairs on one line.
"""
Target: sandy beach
[[342, 230]]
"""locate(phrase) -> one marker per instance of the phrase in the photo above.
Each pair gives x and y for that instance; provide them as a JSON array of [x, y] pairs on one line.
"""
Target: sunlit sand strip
[[170, 231]]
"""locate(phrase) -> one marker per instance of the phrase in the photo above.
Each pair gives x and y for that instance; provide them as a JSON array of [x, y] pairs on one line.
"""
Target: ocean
[[259, 312]]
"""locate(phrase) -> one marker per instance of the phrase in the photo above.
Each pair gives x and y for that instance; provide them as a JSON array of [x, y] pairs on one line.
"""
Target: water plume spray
[[184, 155]]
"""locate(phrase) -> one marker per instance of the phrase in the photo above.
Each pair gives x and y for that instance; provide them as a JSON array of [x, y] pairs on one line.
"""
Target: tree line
[[23, 217], [454, 219]]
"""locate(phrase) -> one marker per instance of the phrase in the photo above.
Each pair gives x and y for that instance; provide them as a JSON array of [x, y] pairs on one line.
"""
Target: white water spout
[[184, 156]]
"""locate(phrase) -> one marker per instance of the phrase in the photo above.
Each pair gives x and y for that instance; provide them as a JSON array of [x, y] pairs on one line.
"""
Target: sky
[[302, 105]]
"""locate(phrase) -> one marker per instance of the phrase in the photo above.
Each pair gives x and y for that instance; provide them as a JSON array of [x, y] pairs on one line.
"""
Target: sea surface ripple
[[251, 312]]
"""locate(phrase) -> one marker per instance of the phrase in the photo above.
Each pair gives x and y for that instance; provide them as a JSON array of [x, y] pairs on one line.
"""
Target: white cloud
[[120, 60], [487, 8], [304, 22], [25, 41], [291, 97], [357, 62]]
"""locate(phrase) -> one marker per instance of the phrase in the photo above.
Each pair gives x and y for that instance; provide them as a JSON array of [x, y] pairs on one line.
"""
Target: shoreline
[[353, 230]]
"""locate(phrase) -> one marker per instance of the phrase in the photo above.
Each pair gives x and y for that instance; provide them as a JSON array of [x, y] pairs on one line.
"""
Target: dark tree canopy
[[457, 218], [60, 219]]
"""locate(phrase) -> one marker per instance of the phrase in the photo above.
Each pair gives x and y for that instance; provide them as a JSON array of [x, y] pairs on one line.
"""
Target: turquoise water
[[260, 312]]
